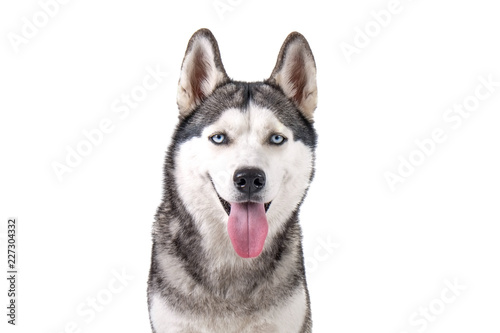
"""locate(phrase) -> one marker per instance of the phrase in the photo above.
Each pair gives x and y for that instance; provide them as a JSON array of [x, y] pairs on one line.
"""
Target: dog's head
[[244, 152]]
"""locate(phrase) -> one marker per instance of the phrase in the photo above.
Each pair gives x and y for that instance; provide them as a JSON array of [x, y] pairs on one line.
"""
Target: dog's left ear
[[295, 74], [201, 72]]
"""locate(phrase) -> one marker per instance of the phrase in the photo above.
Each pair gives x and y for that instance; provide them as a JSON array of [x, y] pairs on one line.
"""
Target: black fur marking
[[226, 205]]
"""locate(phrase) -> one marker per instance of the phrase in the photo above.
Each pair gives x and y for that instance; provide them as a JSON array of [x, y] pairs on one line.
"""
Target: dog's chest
[[286, 317]]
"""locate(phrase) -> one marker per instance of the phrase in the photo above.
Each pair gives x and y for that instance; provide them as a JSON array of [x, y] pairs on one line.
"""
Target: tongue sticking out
[[247, 228]]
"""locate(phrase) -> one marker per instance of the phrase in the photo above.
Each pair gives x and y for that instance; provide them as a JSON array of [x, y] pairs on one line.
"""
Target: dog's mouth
[[227, 206], [247, 226]]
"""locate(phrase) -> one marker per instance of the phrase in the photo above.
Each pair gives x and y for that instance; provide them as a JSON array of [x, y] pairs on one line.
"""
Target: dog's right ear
[[201, 72]]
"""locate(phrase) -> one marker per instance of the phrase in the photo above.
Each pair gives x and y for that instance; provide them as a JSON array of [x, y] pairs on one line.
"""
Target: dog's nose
[[249, 180]]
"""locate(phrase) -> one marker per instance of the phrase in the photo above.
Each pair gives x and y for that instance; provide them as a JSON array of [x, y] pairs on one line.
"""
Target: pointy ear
[[295, 74], [201, 72]]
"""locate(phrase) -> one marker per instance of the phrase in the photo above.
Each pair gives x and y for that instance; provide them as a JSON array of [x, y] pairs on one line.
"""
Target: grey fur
[[278, 272]]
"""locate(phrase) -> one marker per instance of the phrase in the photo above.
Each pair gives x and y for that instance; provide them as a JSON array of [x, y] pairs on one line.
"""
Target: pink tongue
[[247, 228]]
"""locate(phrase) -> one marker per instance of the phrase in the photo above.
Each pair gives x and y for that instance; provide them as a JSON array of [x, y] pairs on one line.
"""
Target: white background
[[395, 248]]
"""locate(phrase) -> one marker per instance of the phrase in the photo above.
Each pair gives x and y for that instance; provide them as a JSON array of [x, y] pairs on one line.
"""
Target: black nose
[[249, 180]]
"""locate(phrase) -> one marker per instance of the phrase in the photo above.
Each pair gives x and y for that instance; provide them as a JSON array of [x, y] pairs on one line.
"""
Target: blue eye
[[277, 139], [218, 138]]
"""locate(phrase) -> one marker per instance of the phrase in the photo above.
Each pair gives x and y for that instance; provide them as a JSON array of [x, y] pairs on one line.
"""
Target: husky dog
[[227, 252]]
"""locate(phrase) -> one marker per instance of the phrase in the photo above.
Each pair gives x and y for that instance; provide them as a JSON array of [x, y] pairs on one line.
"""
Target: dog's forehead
[[253, 119], [257, 101]]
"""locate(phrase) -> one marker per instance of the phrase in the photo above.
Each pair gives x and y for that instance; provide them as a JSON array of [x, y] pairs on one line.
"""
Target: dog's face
[[244, 151], [254, 156]]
